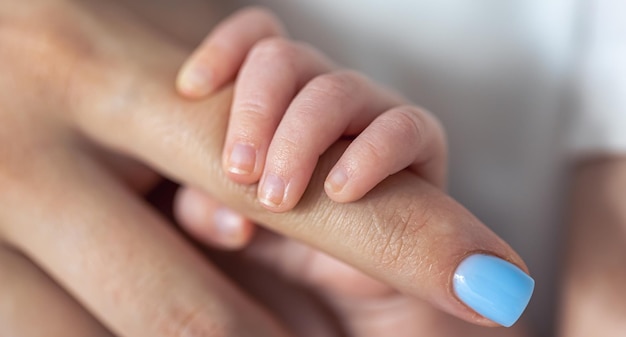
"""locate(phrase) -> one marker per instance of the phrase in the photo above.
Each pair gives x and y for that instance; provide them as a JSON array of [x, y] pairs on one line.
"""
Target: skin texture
[[89, 105], [27, 290]]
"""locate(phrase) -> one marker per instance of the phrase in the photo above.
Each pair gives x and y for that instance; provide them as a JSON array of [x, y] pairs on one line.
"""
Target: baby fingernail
[[229, 226], [494, 288], [195, 81], [242, 159], [272, 191], [336, 180]]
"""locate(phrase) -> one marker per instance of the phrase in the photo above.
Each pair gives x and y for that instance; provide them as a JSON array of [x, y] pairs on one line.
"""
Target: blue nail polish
[[494, 288]]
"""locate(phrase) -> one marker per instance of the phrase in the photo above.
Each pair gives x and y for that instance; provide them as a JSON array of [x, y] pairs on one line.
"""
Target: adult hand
[[594, 300], [363, 306], [78, 80]]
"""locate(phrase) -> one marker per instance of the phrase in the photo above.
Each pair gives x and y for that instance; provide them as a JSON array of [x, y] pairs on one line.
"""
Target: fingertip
[[210, 223], [192, 207], [232, 230], [194, 80]]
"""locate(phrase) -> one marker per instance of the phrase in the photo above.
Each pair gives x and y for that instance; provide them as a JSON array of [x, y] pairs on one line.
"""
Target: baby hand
[[291, 103]]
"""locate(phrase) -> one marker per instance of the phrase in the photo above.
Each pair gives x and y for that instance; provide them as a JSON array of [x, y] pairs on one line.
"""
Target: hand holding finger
[[210, 222], [344, 105]]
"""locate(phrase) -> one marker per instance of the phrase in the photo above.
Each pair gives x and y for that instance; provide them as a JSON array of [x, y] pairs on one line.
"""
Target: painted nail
[[336, 180], [272, 191], [494, 288], [242, 159], [229, 226], [195, 81]]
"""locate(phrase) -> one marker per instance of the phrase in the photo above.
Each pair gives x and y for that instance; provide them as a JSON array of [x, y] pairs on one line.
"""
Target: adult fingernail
[[272, 191], [195, 80], [494, 288], [336, 180], [242, 159], [229, 227]]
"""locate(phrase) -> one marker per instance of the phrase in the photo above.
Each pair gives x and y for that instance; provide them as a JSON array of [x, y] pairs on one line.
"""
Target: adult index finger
[[405, 232]]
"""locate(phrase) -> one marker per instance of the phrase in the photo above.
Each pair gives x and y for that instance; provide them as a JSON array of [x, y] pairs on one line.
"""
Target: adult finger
[[405, 232], [28, 294], [121, 260], [219, 57], [368, 308]]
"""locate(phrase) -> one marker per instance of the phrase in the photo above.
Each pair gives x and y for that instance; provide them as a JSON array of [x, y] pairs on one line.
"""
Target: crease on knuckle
[[336, 89], [373, 150], [409, 122], [338, 86], [276, 49], [253, 112]]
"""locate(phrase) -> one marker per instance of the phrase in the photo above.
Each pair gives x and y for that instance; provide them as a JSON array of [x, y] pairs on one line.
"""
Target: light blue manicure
[[494, 288]]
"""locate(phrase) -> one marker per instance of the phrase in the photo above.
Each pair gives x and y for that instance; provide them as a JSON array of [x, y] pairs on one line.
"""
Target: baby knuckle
[[277, 49], [409, 123], [337, 85], [254, 111], [373, 149]]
